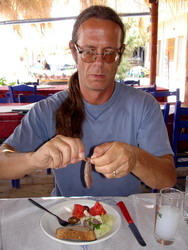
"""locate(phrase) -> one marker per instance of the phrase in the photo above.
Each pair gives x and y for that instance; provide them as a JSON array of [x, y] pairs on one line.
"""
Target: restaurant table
[[20, 225], [41, 90], [150, 86], [9, 120]]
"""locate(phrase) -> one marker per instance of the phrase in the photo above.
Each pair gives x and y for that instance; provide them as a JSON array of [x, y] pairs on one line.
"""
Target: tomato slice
[[97, 209], [78, 211]]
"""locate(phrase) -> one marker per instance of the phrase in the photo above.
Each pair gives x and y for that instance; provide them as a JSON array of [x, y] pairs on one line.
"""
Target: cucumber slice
[[108, 219]]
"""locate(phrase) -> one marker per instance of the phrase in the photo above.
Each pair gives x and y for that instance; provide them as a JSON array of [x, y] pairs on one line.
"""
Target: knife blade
[[132, 226]]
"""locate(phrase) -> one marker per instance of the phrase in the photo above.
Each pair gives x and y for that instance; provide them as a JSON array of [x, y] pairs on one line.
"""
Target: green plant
[[3, 81], [12, 83], [136, 36]]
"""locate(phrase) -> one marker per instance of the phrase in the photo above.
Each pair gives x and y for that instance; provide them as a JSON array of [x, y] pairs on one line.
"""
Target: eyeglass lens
[[90, 56]]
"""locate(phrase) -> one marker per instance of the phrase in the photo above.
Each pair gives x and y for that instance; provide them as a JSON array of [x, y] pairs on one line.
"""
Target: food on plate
[[75, 233], [95, 222], [97, 209], [73, 220]]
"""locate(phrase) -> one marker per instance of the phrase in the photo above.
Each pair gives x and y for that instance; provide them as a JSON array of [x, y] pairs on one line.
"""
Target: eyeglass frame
[[119, 53]]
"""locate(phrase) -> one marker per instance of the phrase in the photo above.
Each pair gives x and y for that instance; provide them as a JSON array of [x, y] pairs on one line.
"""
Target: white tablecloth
[[20, 229]]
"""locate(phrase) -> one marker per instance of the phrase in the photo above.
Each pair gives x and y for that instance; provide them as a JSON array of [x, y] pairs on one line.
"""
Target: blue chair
[[16, 183], [21, 88], [175, 93], [130, 82], [5, 99], [166, 112], [180, 135], [30, 98]]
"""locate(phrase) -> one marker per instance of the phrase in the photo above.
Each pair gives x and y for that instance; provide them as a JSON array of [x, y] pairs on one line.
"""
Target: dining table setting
[[23, 225]]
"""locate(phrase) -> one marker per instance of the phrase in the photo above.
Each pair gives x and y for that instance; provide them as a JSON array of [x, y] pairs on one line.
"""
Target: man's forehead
[[96, 23], [98, 28]]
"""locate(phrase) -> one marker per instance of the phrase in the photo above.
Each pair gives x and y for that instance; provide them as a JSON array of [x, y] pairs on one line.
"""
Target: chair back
[[180, 135], [30, 98], [21, 88], [131, 82], [5, 100], [175, 93], [166, 112]]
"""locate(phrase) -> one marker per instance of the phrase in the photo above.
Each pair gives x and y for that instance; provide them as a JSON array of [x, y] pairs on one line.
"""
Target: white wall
[[172, 74]]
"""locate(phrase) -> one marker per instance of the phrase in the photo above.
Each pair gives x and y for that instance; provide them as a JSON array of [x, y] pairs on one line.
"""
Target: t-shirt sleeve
[[36, 128], [153, 134]]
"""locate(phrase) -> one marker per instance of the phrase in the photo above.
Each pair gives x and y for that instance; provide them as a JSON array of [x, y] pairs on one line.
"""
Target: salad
[[95, 218]]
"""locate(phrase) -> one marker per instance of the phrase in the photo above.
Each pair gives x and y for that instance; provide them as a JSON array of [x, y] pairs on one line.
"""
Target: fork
[[61, 222]]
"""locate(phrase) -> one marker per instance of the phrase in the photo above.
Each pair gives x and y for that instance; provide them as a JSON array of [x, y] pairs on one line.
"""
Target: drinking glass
[[168, 212], [185, 204]]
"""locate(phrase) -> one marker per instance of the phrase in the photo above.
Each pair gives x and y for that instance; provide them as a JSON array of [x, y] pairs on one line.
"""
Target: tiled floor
[[39, 184]]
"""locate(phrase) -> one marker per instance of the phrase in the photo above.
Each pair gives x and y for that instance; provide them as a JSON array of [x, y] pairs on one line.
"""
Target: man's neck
[[97, 97]]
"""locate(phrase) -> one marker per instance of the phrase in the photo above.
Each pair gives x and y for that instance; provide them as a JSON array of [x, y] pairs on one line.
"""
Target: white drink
[[167, 222]]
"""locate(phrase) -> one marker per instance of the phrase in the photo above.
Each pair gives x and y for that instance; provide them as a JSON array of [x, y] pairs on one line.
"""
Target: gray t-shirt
[[130, 116]]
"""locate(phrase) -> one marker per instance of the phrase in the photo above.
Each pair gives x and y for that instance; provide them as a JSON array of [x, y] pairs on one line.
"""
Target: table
[[41, 90], [150, 86], [9, 120], [20, 228]]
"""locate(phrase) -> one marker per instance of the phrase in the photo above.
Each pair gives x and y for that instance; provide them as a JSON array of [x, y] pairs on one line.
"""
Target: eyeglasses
[[89, 55]]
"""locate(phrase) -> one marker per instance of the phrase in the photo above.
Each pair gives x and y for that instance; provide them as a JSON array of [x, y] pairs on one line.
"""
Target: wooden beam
[[154, 33], [153, 1]]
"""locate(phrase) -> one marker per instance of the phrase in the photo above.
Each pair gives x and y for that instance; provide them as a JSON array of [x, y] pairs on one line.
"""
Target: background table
[[9, 120], [20, 228], [41, 90]]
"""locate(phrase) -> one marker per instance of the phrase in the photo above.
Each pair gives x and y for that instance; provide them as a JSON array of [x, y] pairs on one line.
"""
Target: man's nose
[[99, 58]]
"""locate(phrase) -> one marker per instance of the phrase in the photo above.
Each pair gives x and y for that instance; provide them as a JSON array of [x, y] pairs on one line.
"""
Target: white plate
[[49, 223]]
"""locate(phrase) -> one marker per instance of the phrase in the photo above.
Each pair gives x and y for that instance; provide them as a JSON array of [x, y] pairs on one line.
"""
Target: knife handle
[[125, 212]]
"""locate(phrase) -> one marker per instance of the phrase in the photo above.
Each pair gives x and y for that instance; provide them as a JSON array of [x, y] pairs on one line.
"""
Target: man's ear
[[73, 51], [122, 51], [123, 48]]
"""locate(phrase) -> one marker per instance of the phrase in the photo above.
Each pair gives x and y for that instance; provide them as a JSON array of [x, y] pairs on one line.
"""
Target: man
[[120, 128]]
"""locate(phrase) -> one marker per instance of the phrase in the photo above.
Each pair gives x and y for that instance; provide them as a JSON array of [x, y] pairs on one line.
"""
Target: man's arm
[[155, 171], [56, 153], [13, 164]]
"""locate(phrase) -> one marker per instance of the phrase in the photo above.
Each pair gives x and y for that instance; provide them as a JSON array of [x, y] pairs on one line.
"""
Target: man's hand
[[59, 152], [114, 159]]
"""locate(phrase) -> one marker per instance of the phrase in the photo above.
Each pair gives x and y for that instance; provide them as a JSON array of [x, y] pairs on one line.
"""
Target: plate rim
[[79, 201]]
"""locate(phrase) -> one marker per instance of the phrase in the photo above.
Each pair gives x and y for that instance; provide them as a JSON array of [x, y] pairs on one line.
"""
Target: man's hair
[[70, 116]]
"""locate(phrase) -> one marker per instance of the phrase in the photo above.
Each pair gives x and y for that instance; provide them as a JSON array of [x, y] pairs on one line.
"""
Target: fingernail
[[93, 156]]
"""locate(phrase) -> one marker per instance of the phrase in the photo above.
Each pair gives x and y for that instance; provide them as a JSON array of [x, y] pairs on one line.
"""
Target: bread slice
[[75, 233]]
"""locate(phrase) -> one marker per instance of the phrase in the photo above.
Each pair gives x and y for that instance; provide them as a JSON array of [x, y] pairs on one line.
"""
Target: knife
[[132, 226]]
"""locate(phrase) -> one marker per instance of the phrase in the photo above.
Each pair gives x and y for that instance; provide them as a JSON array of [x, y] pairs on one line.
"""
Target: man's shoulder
[[134, 94], [50, 104]]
